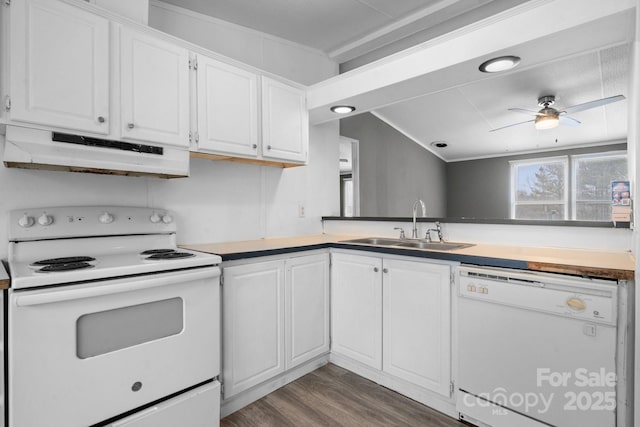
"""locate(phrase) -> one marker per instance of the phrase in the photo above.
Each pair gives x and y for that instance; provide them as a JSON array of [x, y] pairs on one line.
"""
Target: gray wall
[[394, 170], [480, 188]]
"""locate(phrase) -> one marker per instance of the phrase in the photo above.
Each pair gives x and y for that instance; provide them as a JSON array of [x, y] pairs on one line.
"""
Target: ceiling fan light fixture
[[343, 109], [547, 122], [501, 63]]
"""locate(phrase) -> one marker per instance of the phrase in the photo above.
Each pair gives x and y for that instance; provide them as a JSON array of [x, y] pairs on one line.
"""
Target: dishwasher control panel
[[577, 298]]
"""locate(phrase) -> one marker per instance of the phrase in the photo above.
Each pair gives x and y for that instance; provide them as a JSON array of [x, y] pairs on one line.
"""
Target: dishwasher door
[[536, 349]]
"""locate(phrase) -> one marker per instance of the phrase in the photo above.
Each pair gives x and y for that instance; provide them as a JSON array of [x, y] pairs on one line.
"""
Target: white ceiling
[[463, 114], [343, 29]]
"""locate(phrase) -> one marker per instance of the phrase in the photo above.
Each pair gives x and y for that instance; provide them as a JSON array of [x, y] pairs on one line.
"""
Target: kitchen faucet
[[414, 232], [438, 229]]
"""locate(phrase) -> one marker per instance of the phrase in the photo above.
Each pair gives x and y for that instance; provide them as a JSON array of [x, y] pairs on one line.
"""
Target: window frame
[[515, 164], [574, 182]]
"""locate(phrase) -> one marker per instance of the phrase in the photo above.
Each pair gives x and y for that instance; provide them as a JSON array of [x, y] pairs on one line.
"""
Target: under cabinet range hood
[[29, 148]]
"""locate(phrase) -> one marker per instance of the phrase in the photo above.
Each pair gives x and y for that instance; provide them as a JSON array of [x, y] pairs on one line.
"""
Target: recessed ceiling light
[[439, 144], [501, 63], [343, 109]]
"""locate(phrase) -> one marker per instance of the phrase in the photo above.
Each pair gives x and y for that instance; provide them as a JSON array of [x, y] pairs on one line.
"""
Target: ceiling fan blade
[[593, 104], [527, 112], [514, 124], [570, 121]]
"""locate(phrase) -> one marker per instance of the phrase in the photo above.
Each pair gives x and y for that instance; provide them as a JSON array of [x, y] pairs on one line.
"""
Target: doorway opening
[[349, 177]]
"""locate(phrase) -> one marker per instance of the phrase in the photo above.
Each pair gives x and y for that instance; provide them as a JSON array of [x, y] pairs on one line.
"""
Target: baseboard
[[239, 401], [446, 405]]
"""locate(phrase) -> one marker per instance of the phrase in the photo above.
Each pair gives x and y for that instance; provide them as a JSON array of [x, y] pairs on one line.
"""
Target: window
[[539, 187], [592, 176]]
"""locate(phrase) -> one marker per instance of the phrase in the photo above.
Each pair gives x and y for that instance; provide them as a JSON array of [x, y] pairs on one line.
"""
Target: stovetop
[[81, 250]]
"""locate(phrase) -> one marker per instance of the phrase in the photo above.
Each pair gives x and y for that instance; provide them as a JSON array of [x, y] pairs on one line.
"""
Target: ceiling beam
[[567, 26]]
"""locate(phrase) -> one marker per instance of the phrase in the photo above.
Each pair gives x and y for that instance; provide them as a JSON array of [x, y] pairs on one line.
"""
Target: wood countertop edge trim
[[581, 270], [4, 284]]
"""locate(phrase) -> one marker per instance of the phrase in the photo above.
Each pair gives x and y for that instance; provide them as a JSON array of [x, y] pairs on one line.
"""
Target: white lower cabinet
[[394, 316], [416, 326], [252, 325], [306, 308], [356, 308], [275, 317]]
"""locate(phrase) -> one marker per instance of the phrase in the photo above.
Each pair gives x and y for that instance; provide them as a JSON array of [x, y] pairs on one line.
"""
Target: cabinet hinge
[[222, 280], [7, 103], [197, 137], [222, 389], [193, 63], [7, 2], [451, 388], [452, 278]]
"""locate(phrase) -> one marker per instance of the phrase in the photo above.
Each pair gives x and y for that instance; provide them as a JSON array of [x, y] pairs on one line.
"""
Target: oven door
[[80, 354]]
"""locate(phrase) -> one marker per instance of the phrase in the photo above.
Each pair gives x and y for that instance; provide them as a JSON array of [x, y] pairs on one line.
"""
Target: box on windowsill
[[621, 213]]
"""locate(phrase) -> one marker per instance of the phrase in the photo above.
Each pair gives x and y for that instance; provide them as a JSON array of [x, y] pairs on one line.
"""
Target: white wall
[[221, 201], [279, 56]]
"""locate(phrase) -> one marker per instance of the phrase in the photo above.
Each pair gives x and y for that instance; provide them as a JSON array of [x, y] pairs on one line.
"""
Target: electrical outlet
[[301, 210]]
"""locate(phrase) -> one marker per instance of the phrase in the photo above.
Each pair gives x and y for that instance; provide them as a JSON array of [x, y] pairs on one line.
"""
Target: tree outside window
[[592, 176], [538, 189]]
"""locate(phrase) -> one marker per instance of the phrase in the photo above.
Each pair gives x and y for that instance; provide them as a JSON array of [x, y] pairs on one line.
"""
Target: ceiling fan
[[549, 117]]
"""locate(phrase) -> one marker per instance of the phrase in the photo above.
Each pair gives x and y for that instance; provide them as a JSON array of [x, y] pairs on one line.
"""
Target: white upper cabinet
[[285, 122], [227, 99], [230, 101], [59, 66], [154, 89]]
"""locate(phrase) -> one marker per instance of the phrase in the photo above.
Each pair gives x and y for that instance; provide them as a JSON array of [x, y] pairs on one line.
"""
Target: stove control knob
[[105, 218], [167, 219], [45, 219], [155, 218], [26, 221]]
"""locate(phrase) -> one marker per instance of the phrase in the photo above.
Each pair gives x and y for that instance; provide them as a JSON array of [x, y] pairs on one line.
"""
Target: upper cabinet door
[[59, 66], [154, 89], [227, 109], [285, 122]]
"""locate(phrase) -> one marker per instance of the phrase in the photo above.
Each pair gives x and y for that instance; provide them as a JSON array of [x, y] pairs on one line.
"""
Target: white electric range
[[109, 323]]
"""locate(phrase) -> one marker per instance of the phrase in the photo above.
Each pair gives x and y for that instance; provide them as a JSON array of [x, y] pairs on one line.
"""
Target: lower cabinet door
[[417, 323], [356, 308], [252, 324], [306, 308]]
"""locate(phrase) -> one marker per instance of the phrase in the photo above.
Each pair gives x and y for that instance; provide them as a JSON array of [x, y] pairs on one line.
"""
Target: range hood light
[[501, 63], [343, 109]]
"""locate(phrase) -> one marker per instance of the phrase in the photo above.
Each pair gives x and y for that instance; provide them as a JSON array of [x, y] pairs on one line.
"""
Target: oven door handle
[[71, 293]]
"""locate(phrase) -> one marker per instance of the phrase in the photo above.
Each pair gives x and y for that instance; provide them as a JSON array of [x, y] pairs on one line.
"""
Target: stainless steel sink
[[382, 241], [406, 243], [444, 246]]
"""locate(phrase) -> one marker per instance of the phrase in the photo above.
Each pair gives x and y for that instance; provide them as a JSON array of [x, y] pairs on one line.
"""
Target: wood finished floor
[[332, 396]]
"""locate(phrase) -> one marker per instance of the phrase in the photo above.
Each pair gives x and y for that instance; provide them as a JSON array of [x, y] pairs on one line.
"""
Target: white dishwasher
[[535, 349]]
